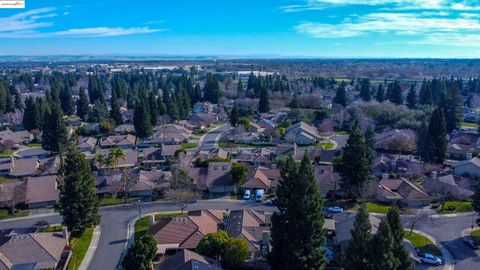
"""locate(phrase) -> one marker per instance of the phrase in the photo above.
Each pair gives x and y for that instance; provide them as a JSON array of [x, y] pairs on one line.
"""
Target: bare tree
[[182, 189], [12, 194], [419, 217], [8, 144], [181, 197]]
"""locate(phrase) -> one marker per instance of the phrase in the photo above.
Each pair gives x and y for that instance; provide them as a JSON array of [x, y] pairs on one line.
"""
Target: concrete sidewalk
[[91, 249]]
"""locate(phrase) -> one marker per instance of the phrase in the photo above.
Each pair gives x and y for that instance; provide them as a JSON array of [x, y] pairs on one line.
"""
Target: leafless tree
[[419, 217], [12, 194], [181, 197], [182, 189], [8, 144]]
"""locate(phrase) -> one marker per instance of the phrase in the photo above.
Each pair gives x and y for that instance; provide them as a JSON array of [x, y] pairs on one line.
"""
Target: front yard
[[142, 225], [80, 246], [476, 235], [455, 207], [5, 214], [422, 244]]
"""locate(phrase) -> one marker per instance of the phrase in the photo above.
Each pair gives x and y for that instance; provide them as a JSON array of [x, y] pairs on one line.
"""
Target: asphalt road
[[211, 138], [115, 221]]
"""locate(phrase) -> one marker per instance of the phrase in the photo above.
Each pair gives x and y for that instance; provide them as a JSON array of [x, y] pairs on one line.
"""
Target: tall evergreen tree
[[18, 101], [78, 201], [424, 144], [438, 132], [370, 144], [453, 107], [382, 256], [30, 116], [425, 96], [211, 90], [412, 97], [83, 109], [239, 88], [264, 103], [396, 93], [399, 249], [171, 106], [153, 108], [54, 136], [197, 94], [380, 96], [141, 120], [140, 254], [115, 113], [3, 96], [476, 200], [359, 246], [341, 96], [234, 115], [365, 90], [297, 229], [354, 166], [9, 106], [66, 100]]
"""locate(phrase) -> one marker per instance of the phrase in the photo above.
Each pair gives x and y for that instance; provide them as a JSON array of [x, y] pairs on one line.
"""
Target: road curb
[[449, 263], [91, 248]]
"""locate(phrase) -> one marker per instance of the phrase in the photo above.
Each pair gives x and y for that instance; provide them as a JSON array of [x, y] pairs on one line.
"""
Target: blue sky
[[315, 28]]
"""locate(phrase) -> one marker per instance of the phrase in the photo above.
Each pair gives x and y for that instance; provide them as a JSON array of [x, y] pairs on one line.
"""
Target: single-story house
[[119, 141], [467, 168], [188, 260], [399, 189], [42, 191]]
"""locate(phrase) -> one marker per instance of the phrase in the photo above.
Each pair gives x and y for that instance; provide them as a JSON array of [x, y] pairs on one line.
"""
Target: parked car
[[430, 259], [259, 195], [335, 209], [271, 202], [246, 195], [471, 243]]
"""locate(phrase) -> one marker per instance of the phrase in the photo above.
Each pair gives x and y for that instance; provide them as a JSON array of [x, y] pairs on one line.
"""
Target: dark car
[[471, 243]]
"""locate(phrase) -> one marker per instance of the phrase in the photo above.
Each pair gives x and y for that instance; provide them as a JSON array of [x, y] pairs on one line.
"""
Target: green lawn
[[377, 208], [468, 124], [80, 247], [460, 207], [342, 132], [5, 153], [423, 244], [186, 146], [141, 226], [56, 228], [5, 214], [169, 215], [110, 201], [326, 146], [476, 235], [34, 145]]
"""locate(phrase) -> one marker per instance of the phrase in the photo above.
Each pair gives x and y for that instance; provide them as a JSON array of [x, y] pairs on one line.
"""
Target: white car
[[430, 259], [335, 209]]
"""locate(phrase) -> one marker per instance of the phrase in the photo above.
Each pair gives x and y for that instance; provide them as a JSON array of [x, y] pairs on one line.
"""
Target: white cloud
[[34, 24]]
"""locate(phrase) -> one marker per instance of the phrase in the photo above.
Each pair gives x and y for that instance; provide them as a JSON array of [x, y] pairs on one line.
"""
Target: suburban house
[[261, 178], [12, 193], [42, 191], [252, 226], [457, 187], [124, 129], [396, 140], [344, 224], [328, 180], [203, 107], [302, 134], [10, 139], [398, 190], [168, 134], [176, 233], [19, 167], [255, 156], [131, 159], [33, 250], [391, 163], [215, 178], [463, 145], [202, 120], [188, 260], [468, 168], [148, 182], [87, 144], [154, 156], [118, 141]]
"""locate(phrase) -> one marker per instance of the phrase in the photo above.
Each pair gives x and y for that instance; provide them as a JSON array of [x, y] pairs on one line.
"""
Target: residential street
[[210, 140], [115, 220]]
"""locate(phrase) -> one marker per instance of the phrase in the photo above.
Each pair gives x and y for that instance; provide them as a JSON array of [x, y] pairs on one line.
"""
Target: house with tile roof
[[42, 191], [188, 260], [467, 168], [118, 141], [399, 189], [302, 134]]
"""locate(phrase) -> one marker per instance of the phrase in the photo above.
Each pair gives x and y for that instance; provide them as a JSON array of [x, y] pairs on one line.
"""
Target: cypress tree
[[354, 166], [381, 256], [359, 246], [399, 249], [264, 103], [412, 97], [453, 107], [161, 106], [9, 106], [239, 88], [297, 229], [18, 101], [197, 94], [30, 116], [78, 201], [425, 96], [3, 96], [424, 144], [380, 97], [54, 137], [438, 134], [396, 93], [340, 95], [115, 113], [211, 90], [234, 115], [83, 110], [153, 108], [370, 144], [141, 120], [171, 105]]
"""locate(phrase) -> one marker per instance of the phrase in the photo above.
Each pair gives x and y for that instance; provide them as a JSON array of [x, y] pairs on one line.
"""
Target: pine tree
[[234, 115], [66, 100], [153, 108], [197, 94], [438, 134], [424, 145], [297, 234], [264, 103], [171, 106], [370, 144], [211, 90], [453, 107], [412, 97], [141, 120], [54, 137], [83, 109], [365, 90], [239, 88], [78, 201], [18, 101], [396, 93], [399, 249], [115, 113], [341, 96], [425, 96], [476, 200], [380, 97], [161, 106], [354, 166], [30, 116], [3, 96], [9, 106], [382, 256], [359, 246]]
